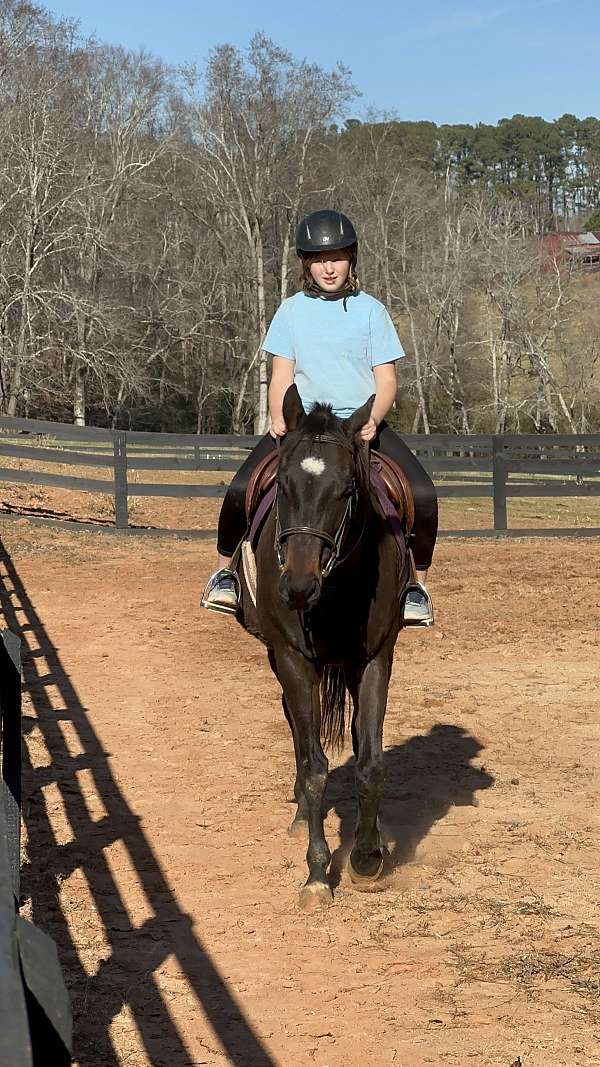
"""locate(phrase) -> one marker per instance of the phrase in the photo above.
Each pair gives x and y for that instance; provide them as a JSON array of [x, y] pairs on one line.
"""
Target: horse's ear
[[354, 424], [293, 411]]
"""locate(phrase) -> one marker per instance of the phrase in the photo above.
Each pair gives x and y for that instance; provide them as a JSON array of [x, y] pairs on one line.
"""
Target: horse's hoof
[[298, 828], [366, 883], [315, 895]]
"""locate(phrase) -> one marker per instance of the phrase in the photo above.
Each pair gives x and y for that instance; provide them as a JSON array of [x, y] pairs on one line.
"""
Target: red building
[[563, 249]]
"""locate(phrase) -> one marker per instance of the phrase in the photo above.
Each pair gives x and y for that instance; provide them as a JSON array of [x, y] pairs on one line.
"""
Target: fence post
[[499, 483], [10, 731], [120, 469]]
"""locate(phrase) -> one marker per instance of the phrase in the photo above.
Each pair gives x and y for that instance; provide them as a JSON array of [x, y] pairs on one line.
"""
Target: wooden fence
[[15, 1042], [35, 1012], [501, 467]]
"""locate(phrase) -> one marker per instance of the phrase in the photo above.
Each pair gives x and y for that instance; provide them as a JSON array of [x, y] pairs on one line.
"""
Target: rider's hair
[[309, 285]]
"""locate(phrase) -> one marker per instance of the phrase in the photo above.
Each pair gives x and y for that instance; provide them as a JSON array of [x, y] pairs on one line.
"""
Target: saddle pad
[[249, 568]]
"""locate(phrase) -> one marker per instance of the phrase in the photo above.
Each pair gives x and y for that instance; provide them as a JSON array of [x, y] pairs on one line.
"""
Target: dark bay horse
[[330, 576]]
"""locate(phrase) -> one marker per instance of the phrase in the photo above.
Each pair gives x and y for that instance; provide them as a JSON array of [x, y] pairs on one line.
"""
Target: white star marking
[[313, 465]]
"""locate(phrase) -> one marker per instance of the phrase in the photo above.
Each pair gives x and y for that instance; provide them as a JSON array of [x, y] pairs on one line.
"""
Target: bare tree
[[527, 302], [256, 121], [121, 96], [38, 134]]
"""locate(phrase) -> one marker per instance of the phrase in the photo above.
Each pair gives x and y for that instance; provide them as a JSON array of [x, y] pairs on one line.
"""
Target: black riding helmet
[[323, 230]]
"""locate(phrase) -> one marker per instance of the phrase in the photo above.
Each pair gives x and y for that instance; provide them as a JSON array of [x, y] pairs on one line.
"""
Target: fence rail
[[467, 466]]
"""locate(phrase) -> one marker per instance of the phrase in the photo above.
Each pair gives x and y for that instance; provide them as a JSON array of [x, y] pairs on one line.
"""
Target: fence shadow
[[128, 974], [426, 776], [33, 511]]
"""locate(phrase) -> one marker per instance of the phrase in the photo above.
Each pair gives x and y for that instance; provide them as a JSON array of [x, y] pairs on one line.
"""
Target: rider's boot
[[416, 605], [222, 592]]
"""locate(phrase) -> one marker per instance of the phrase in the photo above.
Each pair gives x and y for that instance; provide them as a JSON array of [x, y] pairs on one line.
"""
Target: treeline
[[554, 166], [146, 237]]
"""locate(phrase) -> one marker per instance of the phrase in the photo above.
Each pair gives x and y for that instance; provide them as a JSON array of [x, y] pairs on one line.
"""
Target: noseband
[[333, 542]]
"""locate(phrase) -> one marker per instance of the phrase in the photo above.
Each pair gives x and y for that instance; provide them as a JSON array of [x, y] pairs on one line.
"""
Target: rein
[[333, 542]]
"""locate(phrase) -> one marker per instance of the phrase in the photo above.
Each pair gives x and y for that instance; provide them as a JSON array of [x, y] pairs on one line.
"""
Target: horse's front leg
[[300, 682], [299, 824], [366, 859]]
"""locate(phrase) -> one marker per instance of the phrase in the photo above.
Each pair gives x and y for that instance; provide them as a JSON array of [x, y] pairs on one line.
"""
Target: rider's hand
[[278, 427], [369, 430]]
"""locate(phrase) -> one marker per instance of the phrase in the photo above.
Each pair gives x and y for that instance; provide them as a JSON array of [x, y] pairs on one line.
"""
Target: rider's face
[[330, 269]]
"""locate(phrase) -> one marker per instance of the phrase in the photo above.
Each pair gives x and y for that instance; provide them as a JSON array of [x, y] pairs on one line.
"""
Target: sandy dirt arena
[[157, 797]]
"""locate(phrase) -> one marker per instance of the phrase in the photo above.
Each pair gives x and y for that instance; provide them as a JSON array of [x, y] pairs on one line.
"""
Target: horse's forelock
[[321, 419]]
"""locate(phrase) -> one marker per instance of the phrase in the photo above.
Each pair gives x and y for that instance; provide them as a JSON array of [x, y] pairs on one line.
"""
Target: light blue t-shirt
[[334, 350]]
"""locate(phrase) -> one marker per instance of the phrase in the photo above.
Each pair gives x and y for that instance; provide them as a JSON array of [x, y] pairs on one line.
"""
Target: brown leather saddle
[[393, 477]]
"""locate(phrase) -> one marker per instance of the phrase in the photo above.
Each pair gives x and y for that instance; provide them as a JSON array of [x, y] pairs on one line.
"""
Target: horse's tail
[[333, 705]]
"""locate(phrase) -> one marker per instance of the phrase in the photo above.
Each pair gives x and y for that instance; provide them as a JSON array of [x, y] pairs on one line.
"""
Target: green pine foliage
[[555, 165], [593, 222]]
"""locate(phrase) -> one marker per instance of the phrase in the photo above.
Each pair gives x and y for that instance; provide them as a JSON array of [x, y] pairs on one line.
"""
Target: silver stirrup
[[213, 581], [410, 588]]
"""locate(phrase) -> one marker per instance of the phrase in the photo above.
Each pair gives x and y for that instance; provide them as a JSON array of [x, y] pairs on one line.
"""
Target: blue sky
[[474, 61]]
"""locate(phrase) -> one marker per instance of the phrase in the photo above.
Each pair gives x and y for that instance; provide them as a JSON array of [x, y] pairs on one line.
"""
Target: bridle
[[333, 541]]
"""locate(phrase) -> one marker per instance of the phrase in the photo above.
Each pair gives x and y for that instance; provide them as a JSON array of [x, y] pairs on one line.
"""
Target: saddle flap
[[261, 480]]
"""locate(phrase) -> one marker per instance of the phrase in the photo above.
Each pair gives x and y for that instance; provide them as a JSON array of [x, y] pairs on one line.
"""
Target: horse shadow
[[425, 777]]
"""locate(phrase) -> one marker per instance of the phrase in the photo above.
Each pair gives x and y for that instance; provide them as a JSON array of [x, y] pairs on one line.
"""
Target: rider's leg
[[424, 493], [418, 608], [221, 593]]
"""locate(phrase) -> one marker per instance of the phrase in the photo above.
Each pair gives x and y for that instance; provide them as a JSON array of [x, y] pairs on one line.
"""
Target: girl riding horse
[[339, 346]]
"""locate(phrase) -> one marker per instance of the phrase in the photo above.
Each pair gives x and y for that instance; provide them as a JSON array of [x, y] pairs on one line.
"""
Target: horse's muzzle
[[301, 591]]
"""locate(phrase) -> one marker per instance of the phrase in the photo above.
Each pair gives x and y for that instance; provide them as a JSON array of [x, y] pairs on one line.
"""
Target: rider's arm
[[282, 376], [386, 389]]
